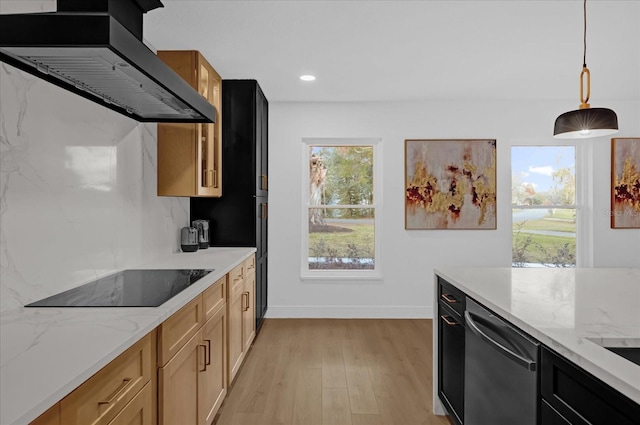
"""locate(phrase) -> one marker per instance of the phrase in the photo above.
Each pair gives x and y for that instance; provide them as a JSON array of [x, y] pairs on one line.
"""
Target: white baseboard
[[349, 312]]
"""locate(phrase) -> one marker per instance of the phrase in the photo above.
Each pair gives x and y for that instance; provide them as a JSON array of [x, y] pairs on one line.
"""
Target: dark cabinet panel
[[580, 397], [451, 345], [240, 216], [261, 289]]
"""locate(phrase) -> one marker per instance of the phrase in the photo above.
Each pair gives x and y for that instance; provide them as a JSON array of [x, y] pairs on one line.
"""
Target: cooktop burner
[[128, 288]]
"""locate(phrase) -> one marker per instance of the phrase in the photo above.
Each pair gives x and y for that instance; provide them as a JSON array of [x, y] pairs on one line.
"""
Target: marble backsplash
[[77, 191]]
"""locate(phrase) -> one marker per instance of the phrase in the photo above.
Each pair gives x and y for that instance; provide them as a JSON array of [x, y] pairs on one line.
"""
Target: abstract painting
[[625, 183], [450, 184]]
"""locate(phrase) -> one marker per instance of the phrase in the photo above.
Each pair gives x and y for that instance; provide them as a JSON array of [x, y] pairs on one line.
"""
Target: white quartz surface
[[45, 353], [572, 311]]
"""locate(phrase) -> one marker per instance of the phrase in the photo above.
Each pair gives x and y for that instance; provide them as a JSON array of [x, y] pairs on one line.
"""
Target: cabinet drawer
[[50, 417], [236, 279], [214, 297], [549, 416], [174, 332], [102, 396], [250, 265], [139, 410], [451, 296], [580, 397]]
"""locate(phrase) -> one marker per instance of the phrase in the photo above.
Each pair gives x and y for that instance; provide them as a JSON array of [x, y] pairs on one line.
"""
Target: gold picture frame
[[450, 184], [625, 183]]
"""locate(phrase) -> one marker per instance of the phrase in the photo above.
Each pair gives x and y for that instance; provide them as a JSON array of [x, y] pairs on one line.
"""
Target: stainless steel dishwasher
[[501, 364]]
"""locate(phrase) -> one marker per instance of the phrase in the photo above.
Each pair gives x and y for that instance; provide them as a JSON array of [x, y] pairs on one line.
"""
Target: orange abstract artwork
[[625, 183], [450, 184]]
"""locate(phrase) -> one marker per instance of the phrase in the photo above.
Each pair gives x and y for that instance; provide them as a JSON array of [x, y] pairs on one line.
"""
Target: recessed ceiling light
[[307, 77]]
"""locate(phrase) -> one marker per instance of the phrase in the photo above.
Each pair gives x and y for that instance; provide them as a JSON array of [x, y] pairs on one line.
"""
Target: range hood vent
[[94, 48]]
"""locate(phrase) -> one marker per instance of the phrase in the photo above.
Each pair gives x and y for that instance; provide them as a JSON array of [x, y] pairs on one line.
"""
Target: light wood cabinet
[[235, 342], [190, 155], [212, 381], [192, 379], [174, 332], [214, 297], [178, 384], [50, 417], [249, 312], [241, 315], [139, 411], [105, 394]]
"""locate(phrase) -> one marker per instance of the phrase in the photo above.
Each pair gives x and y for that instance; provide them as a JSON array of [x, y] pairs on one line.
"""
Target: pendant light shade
[[585, 122]]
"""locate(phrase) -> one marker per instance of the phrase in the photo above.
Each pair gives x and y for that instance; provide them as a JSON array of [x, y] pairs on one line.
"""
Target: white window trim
[[307, 274], [584, 186]]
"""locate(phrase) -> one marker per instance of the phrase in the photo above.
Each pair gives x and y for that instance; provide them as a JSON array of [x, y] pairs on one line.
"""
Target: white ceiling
[[410, 50], [371, 50]]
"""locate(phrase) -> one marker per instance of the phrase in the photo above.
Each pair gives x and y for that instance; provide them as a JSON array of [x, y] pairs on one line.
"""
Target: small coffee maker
[[203, 232]]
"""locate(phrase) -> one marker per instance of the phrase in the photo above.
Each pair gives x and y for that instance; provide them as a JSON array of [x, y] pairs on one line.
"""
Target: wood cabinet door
[[101, 397], [235, 346], [209, 84], [178, 384], [139, 411], [249, 311], [190, 155], [212, 381], [174, 332]]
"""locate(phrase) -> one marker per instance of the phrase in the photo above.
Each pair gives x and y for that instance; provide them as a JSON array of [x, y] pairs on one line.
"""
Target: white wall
[[77, 191], [409, 257]]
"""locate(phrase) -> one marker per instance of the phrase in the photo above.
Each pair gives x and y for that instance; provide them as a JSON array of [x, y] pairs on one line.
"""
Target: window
[[544, 206], [342, 205]]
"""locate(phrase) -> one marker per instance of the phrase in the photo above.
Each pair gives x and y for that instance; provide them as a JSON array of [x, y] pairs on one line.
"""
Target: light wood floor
[[335, 372]]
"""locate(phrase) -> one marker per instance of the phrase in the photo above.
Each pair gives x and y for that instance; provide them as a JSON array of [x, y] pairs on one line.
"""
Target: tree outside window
[[543, 198], [341, 209]]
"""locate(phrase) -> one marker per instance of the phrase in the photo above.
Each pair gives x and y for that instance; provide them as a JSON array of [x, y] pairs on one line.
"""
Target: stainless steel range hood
[[94, 48]]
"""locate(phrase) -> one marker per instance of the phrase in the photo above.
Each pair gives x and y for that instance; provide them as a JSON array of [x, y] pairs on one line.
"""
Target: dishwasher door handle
[[522, 361]]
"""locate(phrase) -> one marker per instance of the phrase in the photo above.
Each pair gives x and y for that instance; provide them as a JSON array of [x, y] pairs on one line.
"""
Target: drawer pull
[[448, 298], [205, 356], [116, 394], [446, 319]]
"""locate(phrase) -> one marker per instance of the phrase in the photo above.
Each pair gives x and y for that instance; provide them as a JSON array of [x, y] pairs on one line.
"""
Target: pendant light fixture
[[585, 122]]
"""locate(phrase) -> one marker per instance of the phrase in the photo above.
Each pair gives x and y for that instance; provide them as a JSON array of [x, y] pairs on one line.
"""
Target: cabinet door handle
[[119, 390], [245, 306], [448, 298], [205, 355], [264, 210], [208, 341], [448, 320], [263, 177]]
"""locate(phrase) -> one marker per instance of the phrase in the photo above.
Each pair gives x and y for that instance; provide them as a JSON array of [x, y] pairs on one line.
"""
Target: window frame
[[584, 251], [306, 273]]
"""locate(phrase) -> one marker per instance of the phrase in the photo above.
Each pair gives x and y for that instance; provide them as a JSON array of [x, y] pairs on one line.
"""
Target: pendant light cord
[[584, 36]]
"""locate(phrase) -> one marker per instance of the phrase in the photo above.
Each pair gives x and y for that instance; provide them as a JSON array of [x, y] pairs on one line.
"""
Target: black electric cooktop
[[128, 288]]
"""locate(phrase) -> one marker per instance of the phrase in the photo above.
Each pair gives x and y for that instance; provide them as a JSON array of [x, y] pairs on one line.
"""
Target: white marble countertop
[[45, 353], [572, 311]]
